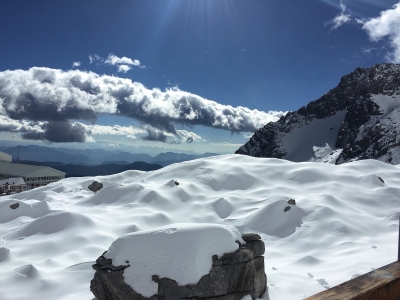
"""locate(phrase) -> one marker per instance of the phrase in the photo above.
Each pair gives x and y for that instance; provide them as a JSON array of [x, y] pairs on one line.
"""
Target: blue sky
[[212, 56]]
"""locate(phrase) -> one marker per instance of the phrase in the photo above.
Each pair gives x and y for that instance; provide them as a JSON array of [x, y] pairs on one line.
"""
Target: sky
[[150, 76]]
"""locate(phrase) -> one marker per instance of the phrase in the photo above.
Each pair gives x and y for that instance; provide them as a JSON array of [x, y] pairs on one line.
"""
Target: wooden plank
[[380, 284]]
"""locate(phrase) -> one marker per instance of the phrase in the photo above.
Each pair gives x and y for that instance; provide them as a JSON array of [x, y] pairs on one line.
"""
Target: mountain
[[358, 119], [74, 170], [43, 154], [91, 157]]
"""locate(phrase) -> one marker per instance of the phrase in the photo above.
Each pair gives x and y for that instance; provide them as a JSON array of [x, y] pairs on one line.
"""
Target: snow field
[[344, 222]]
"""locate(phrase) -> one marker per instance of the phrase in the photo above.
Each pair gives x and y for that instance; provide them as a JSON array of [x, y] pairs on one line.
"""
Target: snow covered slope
[[359, 119], [344, 222]]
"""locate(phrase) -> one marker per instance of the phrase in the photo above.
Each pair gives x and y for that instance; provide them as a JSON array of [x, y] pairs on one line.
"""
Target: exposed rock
[[381, 179], [351, 123], [232, 276], [292, 202], [14, 206], [95, 186], [176, 183], [250, 237], [287, 208]]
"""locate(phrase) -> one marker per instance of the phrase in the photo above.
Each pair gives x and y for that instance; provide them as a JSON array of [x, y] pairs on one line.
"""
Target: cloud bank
[[386, 25], [52, 99]]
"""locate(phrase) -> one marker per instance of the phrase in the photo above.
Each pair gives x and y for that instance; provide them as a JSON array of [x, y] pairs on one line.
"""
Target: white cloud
[[76, 64], [247, 135], [45, 95], [386, 25], [94, 57], [10, 125], [369, 50], [340, 19], [123, 64], [113, 130], [115, 60], [136, 132], [188, 137], [123, 68], [227, 144]]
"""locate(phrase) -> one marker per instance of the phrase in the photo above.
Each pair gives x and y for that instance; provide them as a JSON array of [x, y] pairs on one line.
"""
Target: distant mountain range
[[74, 170], [88, 162], [358, 119]]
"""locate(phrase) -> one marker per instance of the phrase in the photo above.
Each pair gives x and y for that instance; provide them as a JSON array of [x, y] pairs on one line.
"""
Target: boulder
[[95, 186], [14, 206], [292, 202], [232, 276]]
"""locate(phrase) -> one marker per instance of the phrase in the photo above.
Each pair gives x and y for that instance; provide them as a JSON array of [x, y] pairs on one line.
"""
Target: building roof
[[23, 169]]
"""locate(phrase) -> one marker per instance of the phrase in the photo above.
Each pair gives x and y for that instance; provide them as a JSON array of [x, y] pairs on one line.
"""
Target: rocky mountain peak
[[358, 119]]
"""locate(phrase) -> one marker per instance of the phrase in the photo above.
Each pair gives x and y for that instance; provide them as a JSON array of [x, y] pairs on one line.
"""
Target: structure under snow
[[182, 252]]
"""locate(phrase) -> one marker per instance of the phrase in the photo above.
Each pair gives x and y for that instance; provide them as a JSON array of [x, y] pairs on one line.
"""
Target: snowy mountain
[[329, 235], [359, 119]]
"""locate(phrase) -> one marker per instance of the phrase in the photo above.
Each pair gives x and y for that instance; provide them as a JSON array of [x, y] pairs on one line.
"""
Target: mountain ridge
[[356, 120], [93, 157]]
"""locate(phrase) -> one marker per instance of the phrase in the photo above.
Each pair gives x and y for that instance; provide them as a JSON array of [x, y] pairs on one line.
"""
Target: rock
[[287, 208], [232, 276], [14, 206], [292, 202], [381, 179], [250, 237], [95, 186], [364, 129], [176, 183]]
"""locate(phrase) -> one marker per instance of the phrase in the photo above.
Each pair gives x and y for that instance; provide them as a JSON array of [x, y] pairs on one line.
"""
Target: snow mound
[[275, 219], [182, 252]]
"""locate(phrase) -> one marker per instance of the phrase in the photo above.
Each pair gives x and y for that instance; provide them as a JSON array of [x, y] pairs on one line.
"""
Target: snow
[[12, 180], [182, 252], [344, 223], [390, 120], [314, 141]]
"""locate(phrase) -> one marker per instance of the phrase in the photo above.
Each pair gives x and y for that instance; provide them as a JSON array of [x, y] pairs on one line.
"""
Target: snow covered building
[[33, 176]]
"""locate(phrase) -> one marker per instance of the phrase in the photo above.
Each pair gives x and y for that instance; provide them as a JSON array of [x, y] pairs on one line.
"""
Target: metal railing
[[12, 189]]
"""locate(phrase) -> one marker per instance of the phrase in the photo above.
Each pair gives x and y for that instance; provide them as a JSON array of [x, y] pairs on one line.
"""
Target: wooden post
[[398, 247]]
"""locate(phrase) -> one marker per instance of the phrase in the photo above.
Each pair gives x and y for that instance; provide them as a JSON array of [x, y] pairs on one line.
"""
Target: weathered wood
[[380, 284]]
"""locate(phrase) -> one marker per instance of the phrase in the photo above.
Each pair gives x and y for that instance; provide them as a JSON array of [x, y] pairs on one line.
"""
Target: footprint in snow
[[324, 283]]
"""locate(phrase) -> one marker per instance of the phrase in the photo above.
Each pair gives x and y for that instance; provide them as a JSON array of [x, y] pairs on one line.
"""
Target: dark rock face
[[95, 186], [292, 202], [232, 276], [364, 133]]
